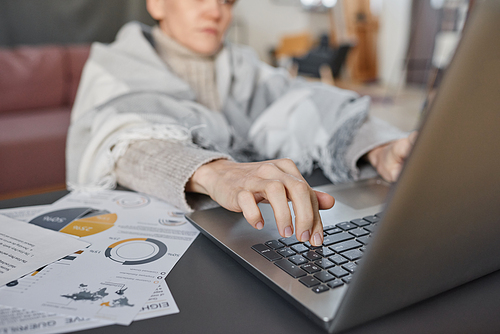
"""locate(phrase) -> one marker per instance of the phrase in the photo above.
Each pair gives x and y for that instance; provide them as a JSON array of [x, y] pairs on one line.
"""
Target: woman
[[173, 111]]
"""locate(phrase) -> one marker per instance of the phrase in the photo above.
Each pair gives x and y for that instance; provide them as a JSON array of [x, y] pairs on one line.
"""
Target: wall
[[394, 34], [424, 26], [267, 21], [66, 21]]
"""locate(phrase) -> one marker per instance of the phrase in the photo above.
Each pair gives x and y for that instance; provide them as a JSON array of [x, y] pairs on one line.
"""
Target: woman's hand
[[388, 159], [240, 186]]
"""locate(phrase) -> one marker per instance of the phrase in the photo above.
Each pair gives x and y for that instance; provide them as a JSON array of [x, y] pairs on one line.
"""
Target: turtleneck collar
[[198, 70]]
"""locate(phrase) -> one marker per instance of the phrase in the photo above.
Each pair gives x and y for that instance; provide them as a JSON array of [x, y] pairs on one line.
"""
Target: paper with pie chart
[[135, 242], [135, 251], [81, 222]]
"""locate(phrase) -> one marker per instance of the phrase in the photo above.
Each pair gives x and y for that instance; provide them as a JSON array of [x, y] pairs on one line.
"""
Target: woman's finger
[[325, 201], [250, 210], [276, 195], [306, 208], [304, 201]]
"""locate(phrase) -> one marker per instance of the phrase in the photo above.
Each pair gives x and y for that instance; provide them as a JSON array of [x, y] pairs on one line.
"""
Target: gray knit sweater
[[137, 122]]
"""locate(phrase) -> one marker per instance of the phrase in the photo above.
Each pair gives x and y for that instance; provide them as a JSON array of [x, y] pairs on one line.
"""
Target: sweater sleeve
[[372, 133], [162, 168], [313, 124]]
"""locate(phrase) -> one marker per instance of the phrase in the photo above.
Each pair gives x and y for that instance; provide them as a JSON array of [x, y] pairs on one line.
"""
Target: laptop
[[387, 247]]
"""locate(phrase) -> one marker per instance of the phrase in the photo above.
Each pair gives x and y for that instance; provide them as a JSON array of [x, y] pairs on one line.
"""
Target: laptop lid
[[441, 227]]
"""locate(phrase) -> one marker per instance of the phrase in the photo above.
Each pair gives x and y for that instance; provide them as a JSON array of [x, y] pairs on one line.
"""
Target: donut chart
[[81, 222], [136, 251], [132, 200]]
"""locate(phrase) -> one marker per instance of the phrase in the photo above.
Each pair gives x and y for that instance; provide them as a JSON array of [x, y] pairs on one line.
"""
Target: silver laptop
[[439, 228]]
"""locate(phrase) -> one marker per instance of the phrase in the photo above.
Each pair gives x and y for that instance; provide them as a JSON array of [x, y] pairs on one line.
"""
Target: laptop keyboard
[[329, 266]]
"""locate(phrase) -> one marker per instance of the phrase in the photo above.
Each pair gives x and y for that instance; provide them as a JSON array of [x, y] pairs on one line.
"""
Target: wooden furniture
[[294, 45], [363, 26]]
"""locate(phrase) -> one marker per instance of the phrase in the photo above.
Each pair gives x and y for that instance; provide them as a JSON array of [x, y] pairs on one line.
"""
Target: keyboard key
[[312, 256], [346, 226], [299, 248], [297, 259], [338, 271], [324, 263], [363, 249], [364, 240], [310, 268], [324, 251], [372, 219], [308, 245], [260, 248], [324, 276], [371, 228], [360, 222], [347, 279], [353, 254], [338, 259], [289, 241], [286, 252], [335, 238], [309, 281], [267, 252], [274, 244], [334, 231], [290, 268], [320, 288], [359, 232], [335, 283], [350, 267], [346, 245]]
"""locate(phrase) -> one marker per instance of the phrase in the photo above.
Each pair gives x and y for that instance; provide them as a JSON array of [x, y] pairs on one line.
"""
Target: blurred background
[[395, 51]]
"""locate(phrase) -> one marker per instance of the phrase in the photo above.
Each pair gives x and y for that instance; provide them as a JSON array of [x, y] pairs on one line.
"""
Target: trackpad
[[363, 196]]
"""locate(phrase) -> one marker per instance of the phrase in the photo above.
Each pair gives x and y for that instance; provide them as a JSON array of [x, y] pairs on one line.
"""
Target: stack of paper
[[135, 240]]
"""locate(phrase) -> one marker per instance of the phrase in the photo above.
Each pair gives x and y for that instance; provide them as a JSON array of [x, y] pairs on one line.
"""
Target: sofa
[[37, 89]]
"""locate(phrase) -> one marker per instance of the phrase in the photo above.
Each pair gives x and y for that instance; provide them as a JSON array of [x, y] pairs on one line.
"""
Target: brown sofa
[[37, 89]]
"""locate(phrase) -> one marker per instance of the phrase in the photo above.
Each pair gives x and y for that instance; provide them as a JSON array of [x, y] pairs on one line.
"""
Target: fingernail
[[259, 226], [288, 232], [305, 236], [317, 240]]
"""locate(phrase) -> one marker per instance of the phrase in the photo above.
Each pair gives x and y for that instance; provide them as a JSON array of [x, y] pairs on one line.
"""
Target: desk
[[216, 295]]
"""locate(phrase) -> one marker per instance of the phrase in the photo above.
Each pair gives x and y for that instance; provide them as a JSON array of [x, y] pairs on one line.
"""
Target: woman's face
[[199, 25]]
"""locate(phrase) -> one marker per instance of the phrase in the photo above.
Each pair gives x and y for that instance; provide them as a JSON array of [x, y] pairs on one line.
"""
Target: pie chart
[[136, 251], [81, 222]]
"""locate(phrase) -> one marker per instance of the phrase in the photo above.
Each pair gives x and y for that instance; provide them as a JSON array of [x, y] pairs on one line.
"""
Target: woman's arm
[[162, 168]]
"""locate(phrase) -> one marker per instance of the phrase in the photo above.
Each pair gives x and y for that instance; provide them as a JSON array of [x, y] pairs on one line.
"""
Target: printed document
[[16, 320], [135, 242], [26, 247]]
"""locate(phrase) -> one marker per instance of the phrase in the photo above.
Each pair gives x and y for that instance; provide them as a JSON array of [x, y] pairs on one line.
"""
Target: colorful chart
[[132, 200], [81, 222], [136, 251], [176, 218]]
